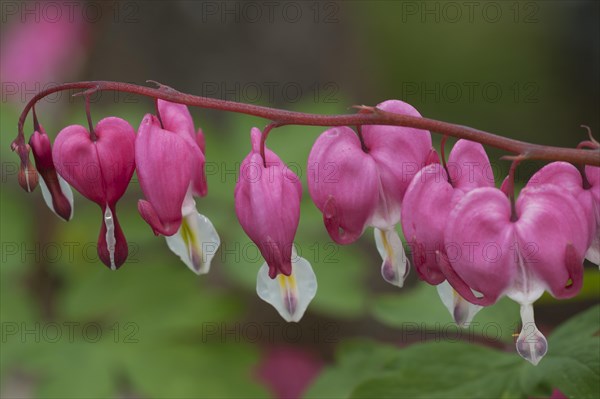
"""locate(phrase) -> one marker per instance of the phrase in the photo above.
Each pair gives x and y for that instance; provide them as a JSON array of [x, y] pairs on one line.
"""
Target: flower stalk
[[367, 116]]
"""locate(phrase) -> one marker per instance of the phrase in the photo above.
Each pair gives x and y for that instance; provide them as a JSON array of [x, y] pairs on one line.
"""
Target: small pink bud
[[56, 191], [27, 176]]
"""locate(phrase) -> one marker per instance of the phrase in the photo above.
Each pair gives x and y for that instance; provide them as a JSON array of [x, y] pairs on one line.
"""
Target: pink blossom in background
[[41, 49], [556, 394], [288, 371]]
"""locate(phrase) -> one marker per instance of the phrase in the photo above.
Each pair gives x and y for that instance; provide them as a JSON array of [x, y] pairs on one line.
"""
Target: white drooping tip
[[67, 192], [289, 295], [395, 266], [531, 343], [111, 241], [461, 310], [196, 242]]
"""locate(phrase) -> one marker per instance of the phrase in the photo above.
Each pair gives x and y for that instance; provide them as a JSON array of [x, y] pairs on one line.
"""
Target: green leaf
[[445, 369], [573, 360], [442, 370]]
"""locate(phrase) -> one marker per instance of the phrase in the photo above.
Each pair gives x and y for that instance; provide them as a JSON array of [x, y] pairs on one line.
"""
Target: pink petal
[[177, 118], [267, 204], [116, 150], [425, 209], [399, 152], [469, 166], [343, 183], [550, 221], [100, 170], [568, 177], [559, 173], [478, 238], [76, 159], [164, 164]]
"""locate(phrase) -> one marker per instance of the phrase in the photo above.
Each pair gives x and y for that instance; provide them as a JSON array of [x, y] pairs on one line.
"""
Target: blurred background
[[73, 329]]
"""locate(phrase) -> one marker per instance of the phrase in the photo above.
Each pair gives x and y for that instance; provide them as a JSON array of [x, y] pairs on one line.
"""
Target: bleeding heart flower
[[267, 205], [100, 168], [496, 249], [585, 188], [55, 190], [359, 184], [170, 163], [432, 194]]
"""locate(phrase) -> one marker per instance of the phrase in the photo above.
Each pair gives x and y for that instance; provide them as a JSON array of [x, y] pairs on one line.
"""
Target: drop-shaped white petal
[[593, 252], [290, 295], [111, 241], [196, 242], [462, 311], [395, 266], [66, 190], [531, 344]]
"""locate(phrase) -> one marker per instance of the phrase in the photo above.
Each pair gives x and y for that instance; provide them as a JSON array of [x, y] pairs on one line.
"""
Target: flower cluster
[[474, 241], [168, 155]]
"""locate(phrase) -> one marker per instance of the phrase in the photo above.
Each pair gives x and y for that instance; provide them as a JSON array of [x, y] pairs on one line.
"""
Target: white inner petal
[[593, 252], [461, 310], [531, 344], [395, 266], [68, 193], [47, 196], [289, 295], [110, 236], [196, 242], [526, 288], [66, 190]]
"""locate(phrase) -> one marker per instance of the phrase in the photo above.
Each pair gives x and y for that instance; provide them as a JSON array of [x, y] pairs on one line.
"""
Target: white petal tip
[[395, 266], [289, 295], [67, 192], [111, 241], [593, 252], [531, 343], [196, 242], [461, 310], [391, 274]]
